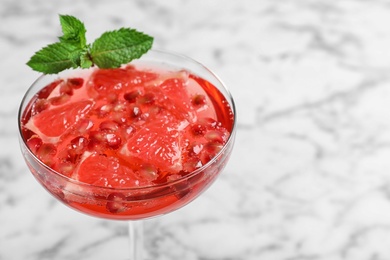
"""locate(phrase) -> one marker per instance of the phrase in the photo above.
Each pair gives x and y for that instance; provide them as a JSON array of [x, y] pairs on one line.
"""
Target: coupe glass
[[138, 203]]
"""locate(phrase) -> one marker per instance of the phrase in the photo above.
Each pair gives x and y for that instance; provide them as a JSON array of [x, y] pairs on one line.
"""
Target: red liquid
[[126, 141]]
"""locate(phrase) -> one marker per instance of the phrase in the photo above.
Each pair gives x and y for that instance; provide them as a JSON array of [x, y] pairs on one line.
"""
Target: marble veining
[[309, 177]]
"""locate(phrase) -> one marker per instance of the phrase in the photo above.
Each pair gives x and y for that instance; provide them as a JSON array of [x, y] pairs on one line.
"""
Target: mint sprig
[[111, 50]]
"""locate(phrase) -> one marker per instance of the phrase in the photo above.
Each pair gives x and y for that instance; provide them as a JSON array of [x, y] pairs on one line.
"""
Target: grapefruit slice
[[157, 143], [172, 95], [105, 171], [106, 81], [52, 123]]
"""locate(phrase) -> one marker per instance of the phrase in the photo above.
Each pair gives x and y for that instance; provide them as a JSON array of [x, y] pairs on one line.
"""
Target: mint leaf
[[74, 56], [119, 47], [110, 50], [53, 58], [74, 31], [85, 60]]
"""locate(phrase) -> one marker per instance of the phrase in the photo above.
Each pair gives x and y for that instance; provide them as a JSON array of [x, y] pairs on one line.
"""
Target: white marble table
[[310, 175]]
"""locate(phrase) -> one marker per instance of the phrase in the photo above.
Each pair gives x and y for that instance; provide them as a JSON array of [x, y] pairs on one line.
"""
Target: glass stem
[[136, 236]]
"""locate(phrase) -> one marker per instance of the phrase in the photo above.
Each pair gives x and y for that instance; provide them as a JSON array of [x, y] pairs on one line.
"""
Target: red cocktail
[[128, 143]]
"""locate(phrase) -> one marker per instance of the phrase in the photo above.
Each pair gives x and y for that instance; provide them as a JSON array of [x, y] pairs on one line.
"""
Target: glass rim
[[146, 187]]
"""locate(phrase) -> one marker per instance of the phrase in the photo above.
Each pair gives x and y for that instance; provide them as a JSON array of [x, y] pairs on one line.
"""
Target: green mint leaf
[[85, 60], [119, 47], [74, 56], [53, 58], [74, 31]]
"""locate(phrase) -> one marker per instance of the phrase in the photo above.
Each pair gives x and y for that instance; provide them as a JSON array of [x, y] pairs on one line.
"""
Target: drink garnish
[[111, 50]]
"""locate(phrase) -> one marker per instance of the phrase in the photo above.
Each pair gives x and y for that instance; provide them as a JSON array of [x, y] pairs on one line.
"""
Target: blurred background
[[309, 177]]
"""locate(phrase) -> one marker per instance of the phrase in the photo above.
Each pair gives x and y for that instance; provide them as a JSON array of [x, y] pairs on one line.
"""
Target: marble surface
[[309, 178]]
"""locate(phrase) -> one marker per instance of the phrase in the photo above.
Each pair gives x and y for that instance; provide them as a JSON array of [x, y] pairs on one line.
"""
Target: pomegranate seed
[[113, 141], [198, 129], [75, 83], [105, 110], [146, 99], [59, 100], [209, 122], [46, 91], [84, 125], [195, 149], [135, 112], [109, 125], [129, 131], [115, 202], [132, 96], [148, 172], [66, 89], [38, 106], [79, 144], [173, 177], [119, 106], [73, 155], [46, 153], [214, 136], [214, 147], [199, 100], [112, 98], [210, 151], [143, 118], [66, 168], [34, 143]]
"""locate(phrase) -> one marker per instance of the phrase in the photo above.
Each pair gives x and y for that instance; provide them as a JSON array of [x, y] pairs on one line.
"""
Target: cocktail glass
[[133, 204]]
